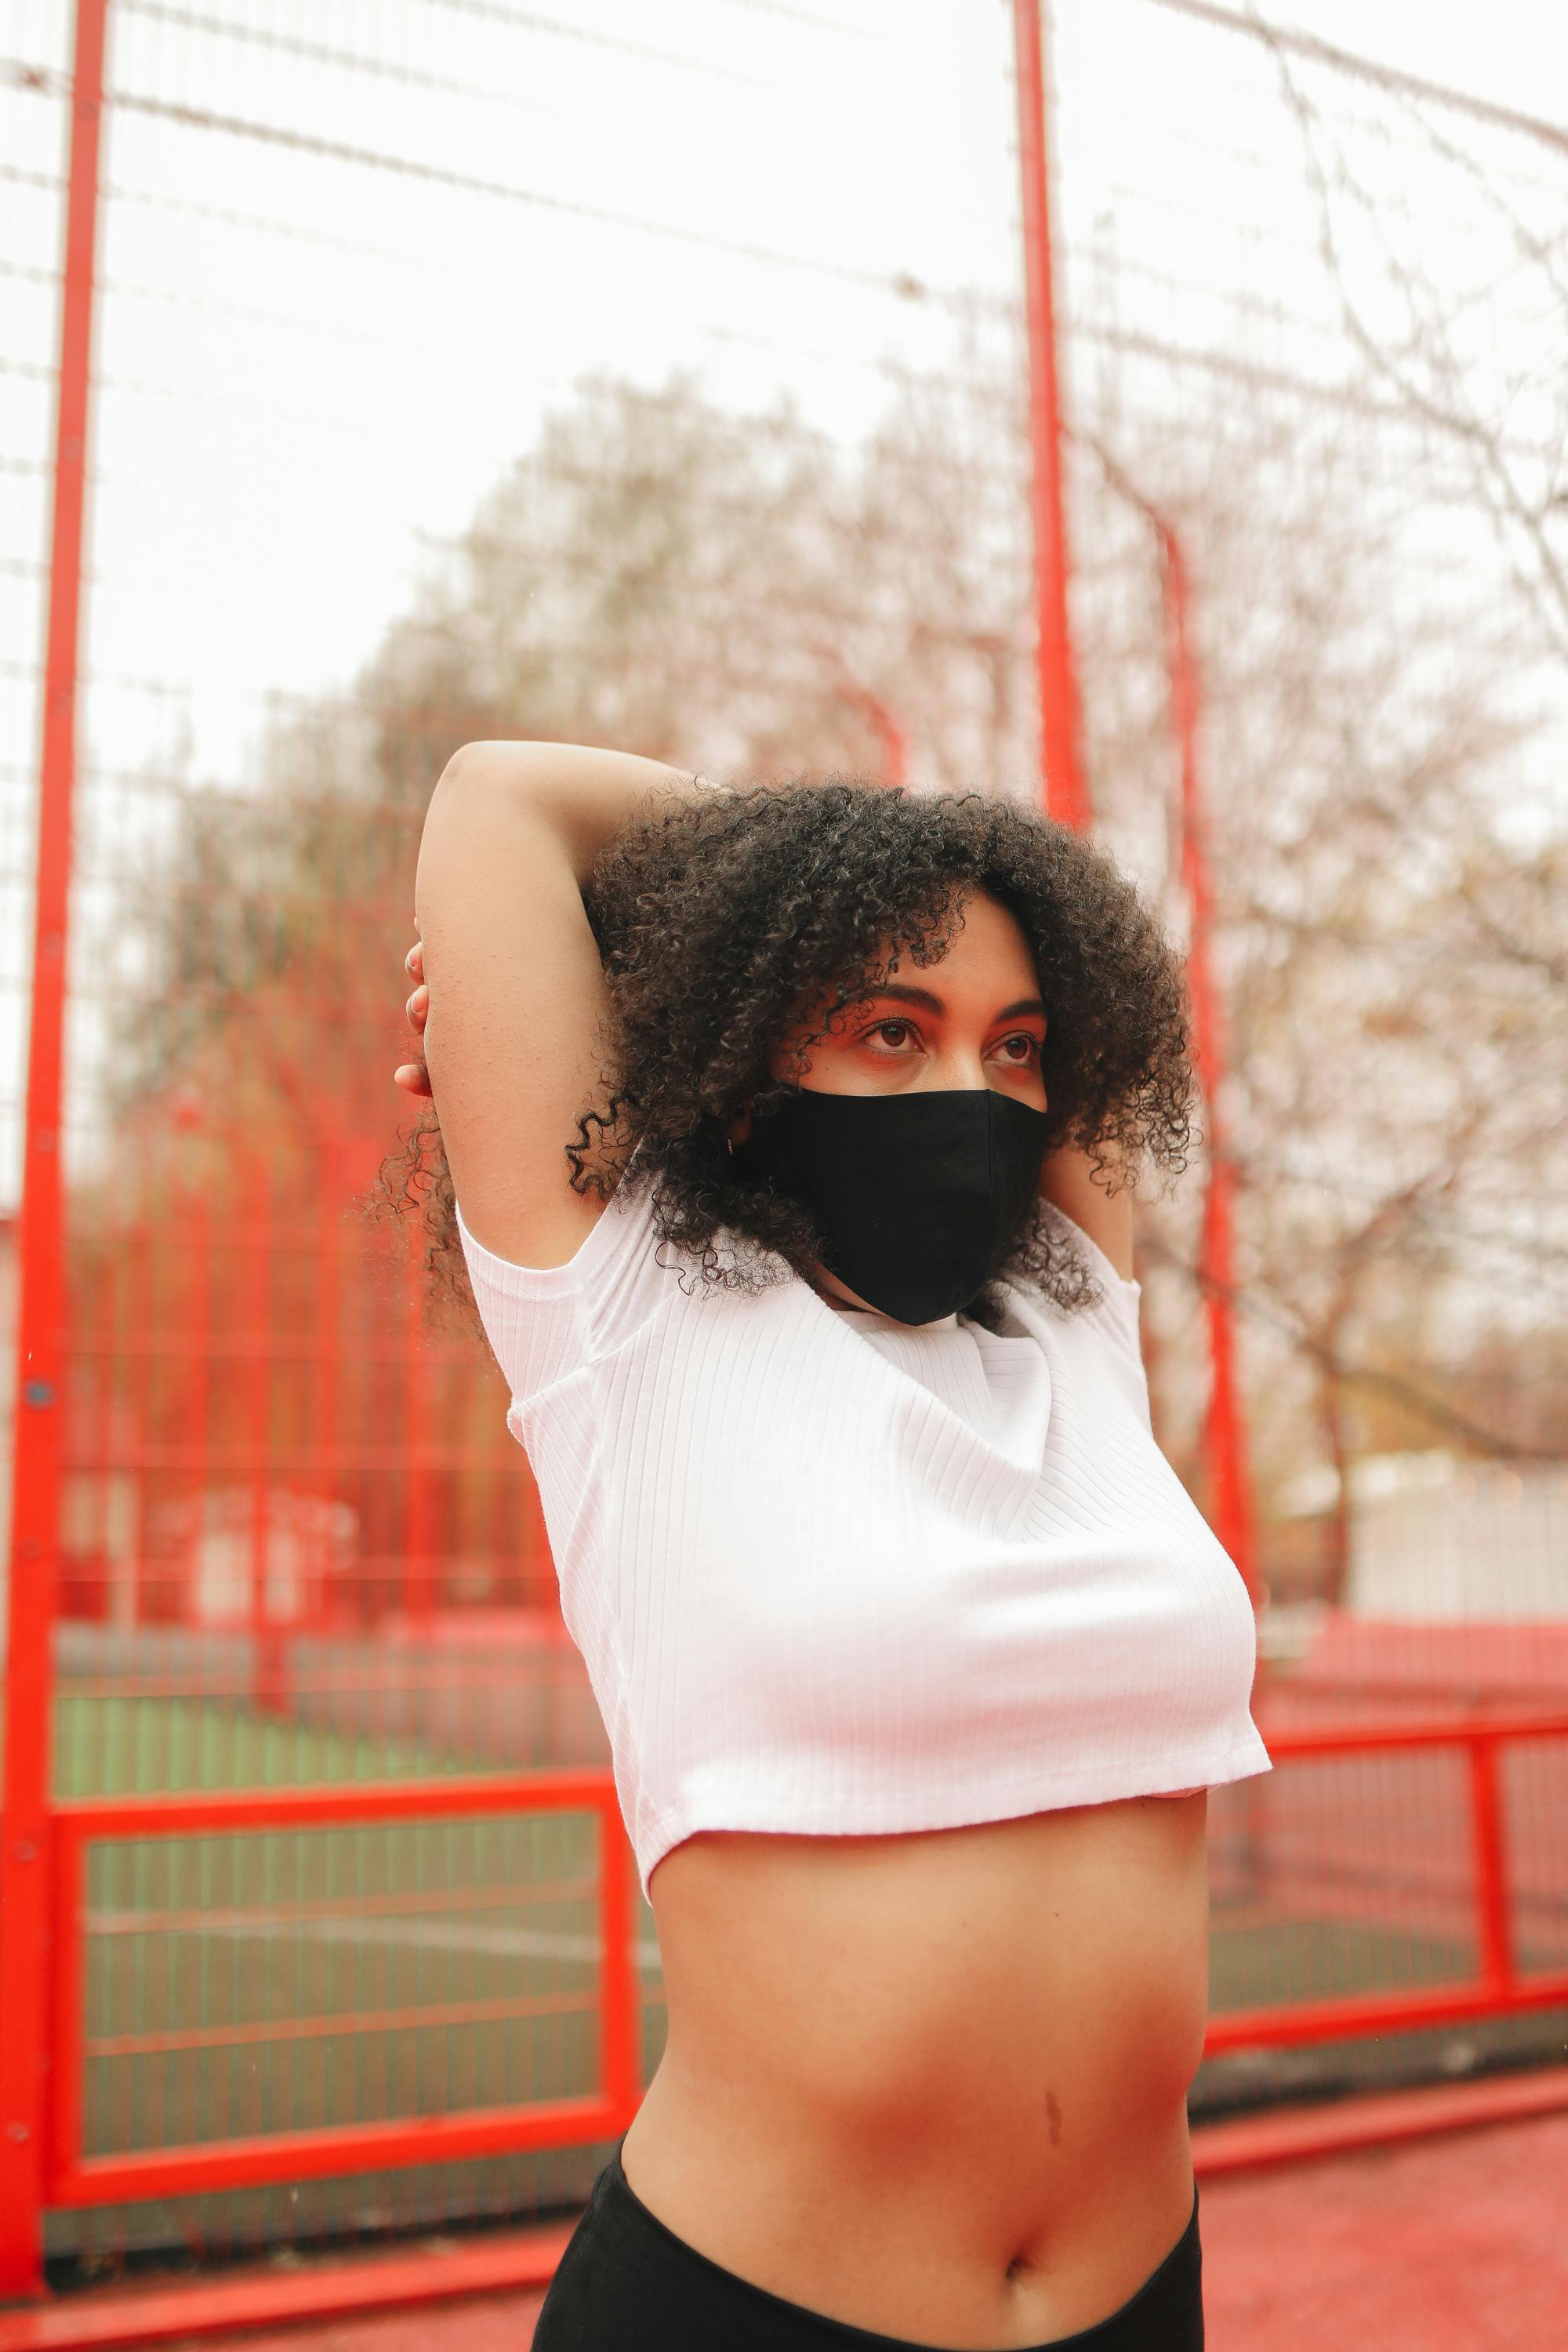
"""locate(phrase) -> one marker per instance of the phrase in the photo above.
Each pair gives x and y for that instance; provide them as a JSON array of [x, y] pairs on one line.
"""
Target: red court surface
[[1456, 2245]]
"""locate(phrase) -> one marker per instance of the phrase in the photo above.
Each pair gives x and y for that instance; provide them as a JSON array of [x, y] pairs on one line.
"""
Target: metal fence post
[[25, 1910], [1495, 1958], [1063, 790], [1225, 1435], [1224, 1431]]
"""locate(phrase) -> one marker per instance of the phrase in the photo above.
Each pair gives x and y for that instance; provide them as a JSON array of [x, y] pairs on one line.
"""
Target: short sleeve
[[545, 1323]]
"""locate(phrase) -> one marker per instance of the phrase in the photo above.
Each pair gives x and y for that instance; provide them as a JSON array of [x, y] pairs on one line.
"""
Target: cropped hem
[[886, 1814]]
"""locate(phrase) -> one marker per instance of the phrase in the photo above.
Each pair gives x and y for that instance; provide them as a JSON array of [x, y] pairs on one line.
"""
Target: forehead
[[988, 942], [987, 958]]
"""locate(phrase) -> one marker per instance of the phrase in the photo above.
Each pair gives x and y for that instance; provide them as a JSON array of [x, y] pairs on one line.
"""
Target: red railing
[[73, 2178], [1498, 1987]]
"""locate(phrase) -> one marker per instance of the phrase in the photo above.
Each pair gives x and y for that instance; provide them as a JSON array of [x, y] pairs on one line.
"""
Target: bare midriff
[[934, 2085]]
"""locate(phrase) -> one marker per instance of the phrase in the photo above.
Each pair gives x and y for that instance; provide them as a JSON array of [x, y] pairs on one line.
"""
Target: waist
[[968, 2048]]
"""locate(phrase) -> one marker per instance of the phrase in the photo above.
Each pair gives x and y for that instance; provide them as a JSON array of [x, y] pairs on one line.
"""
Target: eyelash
[[895, 1021]]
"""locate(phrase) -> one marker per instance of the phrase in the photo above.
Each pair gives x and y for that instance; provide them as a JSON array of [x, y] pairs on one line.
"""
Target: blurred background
[[429, 370]]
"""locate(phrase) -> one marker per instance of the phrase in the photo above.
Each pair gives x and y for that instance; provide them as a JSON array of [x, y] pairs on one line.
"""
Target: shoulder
[[1113, 1299], [1069, 1183]]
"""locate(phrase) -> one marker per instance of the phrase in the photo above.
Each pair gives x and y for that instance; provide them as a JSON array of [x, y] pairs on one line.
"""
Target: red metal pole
[[1064, 794], [195, 1402], [890, 737], [892, 740], [1234, 1522], [269, 1529], [41, 1310], [620, 1987], [328, 1376], [1494, 1957], [140, 1285]]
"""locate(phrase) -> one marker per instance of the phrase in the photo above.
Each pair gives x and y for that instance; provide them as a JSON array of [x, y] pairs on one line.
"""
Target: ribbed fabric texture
[[834, 1575]]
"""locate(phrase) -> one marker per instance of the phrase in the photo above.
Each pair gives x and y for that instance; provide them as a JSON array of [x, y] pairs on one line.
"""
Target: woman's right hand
[[412, 1076]]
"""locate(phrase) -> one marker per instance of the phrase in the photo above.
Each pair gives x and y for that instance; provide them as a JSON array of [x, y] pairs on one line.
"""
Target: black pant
[[628, 2283]]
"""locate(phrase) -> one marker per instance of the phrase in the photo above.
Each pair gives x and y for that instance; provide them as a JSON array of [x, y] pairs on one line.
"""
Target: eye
[[906, 1029], [1031, 1047]]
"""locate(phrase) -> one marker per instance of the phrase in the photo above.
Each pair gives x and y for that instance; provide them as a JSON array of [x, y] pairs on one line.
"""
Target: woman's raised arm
[[515, 1035]]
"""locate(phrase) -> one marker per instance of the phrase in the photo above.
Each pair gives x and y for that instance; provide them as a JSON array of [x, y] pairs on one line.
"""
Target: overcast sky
[[289, 405], [1514, 53]]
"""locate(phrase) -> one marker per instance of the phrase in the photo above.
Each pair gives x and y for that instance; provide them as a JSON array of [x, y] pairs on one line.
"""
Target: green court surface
[[255, 1981], [260, 1981], [123, 1744], [1319, 1959]]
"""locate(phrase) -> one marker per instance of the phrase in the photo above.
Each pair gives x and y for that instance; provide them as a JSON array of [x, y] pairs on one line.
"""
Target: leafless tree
[[736, 592]]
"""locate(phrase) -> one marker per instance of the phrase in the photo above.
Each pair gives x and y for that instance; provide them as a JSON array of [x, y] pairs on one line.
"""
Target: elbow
[[473, 764], [470, 759]]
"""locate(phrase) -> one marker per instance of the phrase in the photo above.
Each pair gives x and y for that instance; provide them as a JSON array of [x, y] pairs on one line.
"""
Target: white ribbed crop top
[[833, 1574]]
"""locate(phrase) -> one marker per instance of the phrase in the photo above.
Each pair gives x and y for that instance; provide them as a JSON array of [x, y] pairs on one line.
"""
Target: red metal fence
[[607, 1997], [1480, 1869], [136, 1879], [315, 1918]]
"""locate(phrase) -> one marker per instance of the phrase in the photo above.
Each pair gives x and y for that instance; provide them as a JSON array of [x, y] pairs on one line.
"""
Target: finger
[[414, 961], [418, 1008], [413, 1077]]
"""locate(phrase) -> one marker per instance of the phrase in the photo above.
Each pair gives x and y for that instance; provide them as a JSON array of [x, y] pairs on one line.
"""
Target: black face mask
[[918, 1197]]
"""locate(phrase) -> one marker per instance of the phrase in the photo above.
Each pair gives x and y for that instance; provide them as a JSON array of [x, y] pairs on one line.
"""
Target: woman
[[787, 1133]]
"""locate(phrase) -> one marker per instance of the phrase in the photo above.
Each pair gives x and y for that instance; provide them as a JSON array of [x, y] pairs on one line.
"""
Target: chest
[[787, 1470]]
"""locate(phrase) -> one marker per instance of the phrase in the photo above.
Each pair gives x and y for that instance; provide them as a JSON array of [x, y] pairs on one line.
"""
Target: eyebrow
[[923, 996]]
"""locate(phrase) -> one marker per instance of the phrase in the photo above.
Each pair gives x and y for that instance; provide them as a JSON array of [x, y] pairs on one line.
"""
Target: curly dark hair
[[722, 923]]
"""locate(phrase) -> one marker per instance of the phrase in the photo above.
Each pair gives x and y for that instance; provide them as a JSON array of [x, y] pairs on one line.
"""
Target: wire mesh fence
[[463, 370]]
